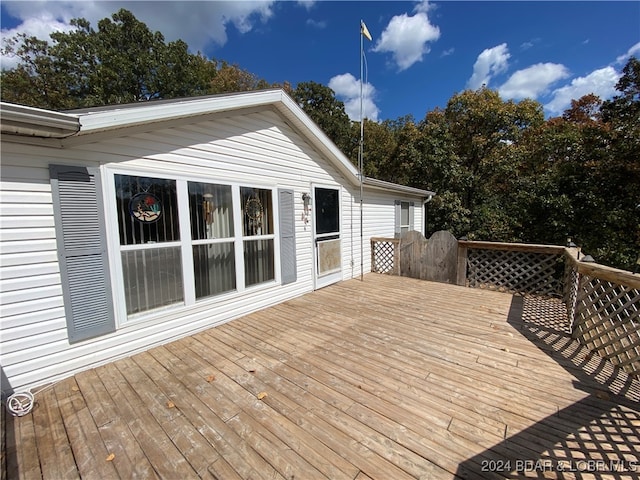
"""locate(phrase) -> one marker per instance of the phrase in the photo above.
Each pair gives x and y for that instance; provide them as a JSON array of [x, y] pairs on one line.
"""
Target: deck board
[[387, 378]]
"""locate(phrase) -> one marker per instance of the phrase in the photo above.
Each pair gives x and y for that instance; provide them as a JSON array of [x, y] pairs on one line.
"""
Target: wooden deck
[[390, 378]]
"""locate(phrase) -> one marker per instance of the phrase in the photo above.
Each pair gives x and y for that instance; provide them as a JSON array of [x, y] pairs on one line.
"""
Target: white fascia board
[[394, 187], [36, 122], [151, 112], [318, 138]]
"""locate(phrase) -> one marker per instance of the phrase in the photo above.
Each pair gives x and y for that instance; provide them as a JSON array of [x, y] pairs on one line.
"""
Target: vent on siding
[[80, 232]]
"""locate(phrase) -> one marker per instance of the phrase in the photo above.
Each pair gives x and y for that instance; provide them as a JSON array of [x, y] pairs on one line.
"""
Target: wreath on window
[[253, 212]]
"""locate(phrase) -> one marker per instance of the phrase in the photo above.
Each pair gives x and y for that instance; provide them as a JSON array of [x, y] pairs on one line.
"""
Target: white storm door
[[326, 235]]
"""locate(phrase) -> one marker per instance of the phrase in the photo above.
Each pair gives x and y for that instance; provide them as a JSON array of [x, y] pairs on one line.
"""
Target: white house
[[130, 226]]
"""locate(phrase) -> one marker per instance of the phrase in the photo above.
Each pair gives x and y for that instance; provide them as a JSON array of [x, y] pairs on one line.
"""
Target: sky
[[421, 53]]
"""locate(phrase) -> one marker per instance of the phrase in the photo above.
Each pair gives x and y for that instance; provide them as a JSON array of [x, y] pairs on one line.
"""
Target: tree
[[320, 103], [620, 176], [123, 61], [481, 132], [232, 78], [379, 146]]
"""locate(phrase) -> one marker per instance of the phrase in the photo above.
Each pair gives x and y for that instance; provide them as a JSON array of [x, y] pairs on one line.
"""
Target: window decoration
[[147, 210], [145, 207], [257, 212], [253, 211]]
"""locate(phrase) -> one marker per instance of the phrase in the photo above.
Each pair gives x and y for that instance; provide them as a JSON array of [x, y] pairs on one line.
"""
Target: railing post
[[396, 257], [462, 265], [373, 255]]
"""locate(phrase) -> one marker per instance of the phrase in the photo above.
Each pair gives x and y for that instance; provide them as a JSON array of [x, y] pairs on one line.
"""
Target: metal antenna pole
[[360, 159]]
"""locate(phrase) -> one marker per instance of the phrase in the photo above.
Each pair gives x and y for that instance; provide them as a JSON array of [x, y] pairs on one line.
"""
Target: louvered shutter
[[287, 236], [82, 252]]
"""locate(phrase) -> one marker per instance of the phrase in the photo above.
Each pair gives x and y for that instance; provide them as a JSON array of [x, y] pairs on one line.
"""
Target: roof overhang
[[418, 192], [35, 122]]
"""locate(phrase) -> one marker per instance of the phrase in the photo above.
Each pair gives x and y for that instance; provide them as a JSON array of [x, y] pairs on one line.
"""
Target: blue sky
[[422, 53]]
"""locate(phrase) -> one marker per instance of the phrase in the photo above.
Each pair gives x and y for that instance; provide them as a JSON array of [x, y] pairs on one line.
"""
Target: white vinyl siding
[[255, 149]]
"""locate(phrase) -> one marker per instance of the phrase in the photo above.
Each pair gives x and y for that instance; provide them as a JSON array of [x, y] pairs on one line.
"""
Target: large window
[[149, 242], [182, 241]]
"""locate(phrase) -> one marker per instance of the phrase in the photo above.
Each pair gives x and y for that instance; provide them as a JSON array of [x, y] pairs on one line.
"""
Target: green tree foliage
[[321, 104], [503, 173], [470, 149], [120, 62]]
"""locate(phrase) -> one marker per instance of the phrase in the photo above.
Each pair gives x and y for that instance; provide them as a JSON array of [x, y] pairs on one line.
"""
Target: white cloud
[[319, 24], [197, 23], [600, 82], [490, 62], [447, 52], [633, 51], [406, 37], [347, 88], [308, 4], [533, 81], [40, 26]]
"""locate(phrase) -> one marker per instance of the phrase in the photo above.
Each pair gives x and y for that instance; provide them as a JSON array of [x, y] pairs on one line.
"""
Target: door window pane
[[327, 210], [258, 261], [211, 210], [147, 210], [214, 267], [152, 278], [257, 211]]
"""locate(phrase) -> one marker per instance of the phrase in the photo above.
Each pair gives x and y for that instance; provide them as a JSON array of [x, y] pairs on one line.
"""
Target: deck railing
[[603, 303]]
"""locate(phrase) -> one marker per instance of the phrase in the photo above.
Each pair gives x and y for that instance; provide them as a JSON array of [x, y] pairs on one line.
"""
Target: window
[[257, 235], [183, 241], [149, 242], [214, 265], [403, 217]]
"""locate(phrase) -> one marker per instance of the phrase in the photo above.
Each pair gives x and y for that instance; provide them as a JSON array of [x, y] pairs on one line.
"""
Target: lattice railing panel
[[383, 256], [607, 320], [512, 271]]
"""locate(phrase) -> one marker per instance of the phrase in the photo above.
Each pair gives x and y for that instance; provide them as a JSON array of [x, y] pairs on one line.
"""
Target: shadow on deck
[[596, 437]]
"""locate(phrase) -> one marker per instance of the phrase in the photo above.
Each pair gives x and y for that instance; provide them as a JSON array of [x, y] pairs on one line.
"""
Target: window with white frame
[[403, 217], [212, 238], [257, 235], [149, 242], [231, 244]]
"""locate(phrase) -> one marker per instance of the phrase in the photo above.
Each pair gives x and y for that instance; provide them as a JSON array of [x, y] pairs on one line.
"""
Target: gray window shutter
[[411, 216], [398, 217], [82, 252], [286, 208]]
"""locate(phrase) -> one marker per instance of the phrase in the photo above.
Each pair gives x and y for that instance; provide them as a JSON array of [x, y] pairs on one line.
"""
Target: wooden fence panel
[[412, 259], [442, 258]]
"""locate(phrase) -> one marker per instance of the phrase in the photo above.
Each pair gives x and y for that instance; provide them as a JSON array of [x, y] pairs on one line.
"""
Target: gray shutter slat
[[286, 207], [411, 216], [81, 237], [398, 214]]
